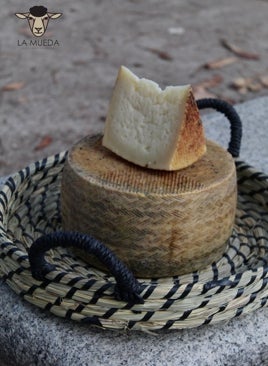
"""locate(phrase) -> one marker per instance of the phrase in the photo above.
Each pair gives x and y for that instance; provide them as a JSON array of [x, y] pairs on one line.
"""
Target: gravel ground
[[61, 92]]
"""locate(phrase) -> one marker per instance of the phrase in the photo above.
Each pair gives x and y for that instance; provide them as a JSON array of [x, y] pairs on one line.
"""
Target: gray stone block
[[30, 336]]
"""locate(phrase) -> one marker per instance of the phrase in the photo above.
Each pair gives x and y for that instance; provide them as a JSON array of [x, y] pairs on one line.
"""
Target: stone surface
[[30, 336], [67, 88]]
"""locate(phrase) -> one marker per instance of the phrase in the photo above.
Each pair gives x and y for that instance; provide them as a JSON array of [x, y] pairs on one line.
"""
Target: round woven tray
[[235, 285]]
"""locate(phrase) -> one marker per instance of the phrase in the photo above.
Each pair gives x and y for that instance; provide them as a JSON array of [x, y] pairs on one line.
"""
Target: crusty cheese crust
[[191, 144]]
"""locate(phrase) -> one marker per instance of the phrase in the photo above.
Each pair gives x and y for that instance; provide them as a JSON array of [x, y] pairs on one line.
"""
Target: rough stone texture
[[29, 336], [67, 87]]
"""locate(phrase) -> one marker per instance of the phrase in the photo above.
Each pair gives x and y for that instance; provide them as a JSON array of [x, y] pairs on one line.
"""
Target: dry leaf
[[239, 51], [243, 85], [201, 92], [211, 82], [240, 82], [243, 90], [218, 64], [45, 141], [254, 86], [264, 80], [13, 86], [161, 54]]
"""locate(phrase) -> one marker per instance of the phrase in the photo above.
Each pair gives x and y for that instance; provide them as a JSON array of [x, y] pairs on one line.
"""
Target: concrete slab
[[66, 88], [30, 336]]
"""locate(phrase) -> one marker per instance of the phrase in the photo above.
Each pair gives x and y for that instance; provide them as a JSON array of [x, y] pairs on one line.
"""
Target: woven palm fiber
[[235, 285], [158, 223]]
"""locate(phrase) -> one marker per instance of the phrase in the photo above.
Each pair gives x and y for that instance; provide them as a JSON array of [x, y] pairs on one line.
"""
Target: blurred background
[[51, 96]]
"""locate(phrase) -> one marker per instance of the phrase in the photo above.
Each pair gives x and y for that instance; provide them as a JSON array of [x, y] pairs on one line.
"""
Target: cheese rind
[[151, 127], [158, 223]]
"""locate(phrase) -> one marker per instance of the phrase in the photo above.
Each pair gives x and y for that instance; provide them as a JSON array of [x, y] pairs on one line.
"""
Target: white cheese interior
[[143, 121]]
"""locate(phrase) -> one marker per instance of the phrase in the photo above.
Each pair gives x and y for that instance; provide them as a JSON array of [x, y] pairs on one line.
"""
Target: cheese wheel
[[159, 129], [158, 223]]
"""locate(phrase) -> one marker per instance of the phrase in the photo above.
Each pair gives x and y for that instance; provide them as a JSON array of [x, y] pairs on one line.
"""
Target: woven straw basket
[[235, 285]]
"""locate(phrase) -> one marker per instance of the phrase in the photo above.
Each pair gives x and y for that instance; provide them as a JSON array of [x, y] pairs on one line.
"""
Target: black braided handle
[[234, 119], [127, 288]]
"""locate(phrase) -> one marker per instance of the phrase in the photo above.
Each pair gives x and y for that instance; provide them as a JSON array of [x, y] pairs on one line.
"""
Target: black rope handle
[[230, 113], [127, 288]]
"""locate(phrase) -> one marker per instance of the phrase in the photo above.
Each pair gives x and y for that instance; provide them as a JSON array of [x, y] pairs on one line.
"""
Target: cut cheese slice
[[151, 127]]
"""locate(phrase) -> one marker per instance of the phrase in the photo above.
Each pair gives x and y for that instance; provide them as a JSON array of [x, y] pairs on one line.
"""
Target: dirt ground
[[51, 96]]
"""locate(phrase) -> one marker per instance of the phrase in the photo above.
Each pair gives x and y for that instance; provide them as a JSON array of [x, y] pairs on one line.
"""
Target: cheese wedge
[[151, 127]]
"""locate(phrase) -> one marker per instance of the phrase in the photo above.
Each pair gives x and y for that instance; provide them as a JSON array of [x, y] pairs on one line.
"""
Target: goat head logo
[[38, 18]]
